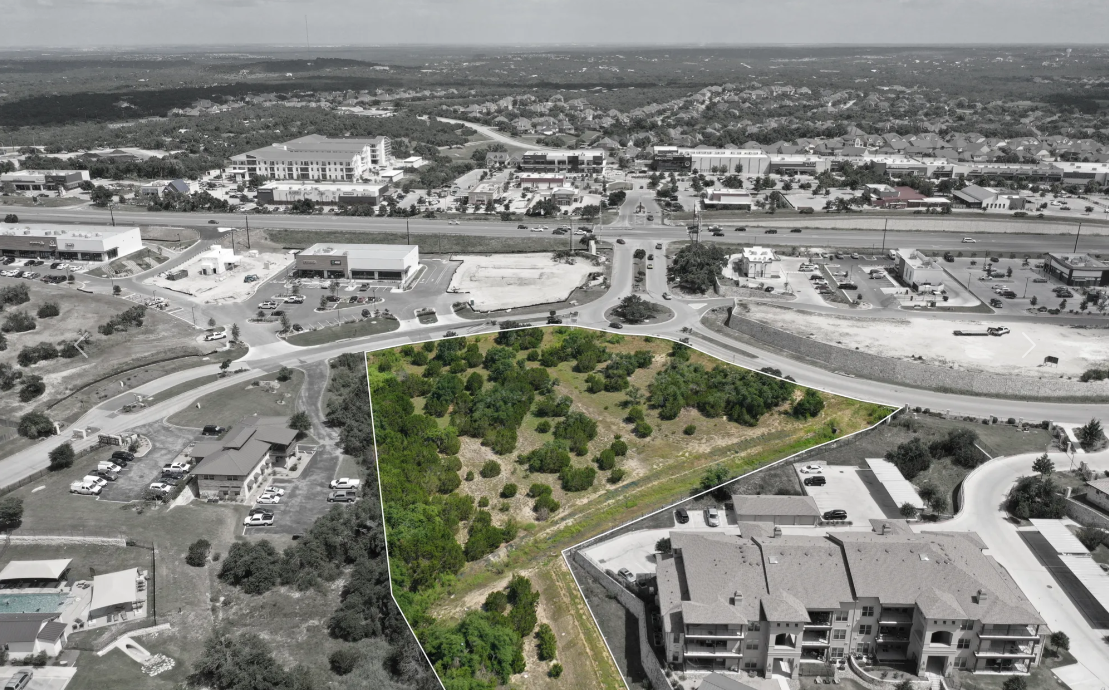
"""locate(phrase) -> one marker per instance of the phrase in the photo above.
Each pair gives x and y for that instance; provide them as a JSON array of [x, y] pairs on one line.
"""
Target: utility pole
[[884, 226], [247, 230], [1079, 234], [408, 230], [111, 210]]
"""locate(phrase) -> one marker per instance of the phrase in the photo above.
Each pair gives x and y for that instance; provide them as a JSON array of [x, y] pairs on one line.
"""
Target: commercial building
[[214, 260], [234, 466], [777, 510], [157, 189], [286, 192], [483, 193], [766, 603], [1078, 269], [44, 180], [315, 157], [988, 198], [565, 196], [760, 262], [733, 199], [540, 181], [707, 160], [799, 164], [576, 161], [69, 242], [919, 271], [395, 263]]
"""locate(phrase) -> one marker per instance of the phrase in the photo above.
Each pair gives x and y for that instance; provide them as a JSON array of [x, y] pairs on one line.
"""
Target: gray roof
[[809, 568], [974, 193], [21, 628], [775, 505], [716, 681], [702, 581], [234, 461], [243, 447], [52, 631]]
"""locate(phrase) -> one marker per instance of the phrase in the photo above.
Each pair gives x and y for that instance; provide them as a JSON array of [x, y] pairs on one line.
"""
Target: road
[[984, 490], [498, 136]]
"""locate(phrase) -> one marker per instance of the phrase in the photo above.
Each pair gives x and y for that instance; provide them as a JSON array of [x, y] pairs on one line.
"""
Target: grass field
[[444, 243], [351, 329], [661, 469], [230, 405]]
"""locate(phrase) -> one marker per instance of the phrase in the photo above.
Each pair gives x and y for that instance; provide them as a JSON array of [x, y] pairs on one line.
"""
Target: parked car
[[215, 336], [250, 278], [176, 467], [261, 511], [298, 299], [19, 680], [105, 474], [84, 489], [681, 515], [274, 490], [627, 576], [345, 483], [969, 240], [123, 455], [818, 480], [268, 304], [268, 499], [342, 496], [812, 469], [160, 487], [110, 466], [95, 480], [836, 514], [712, 516], [212, 430], [258, 520]]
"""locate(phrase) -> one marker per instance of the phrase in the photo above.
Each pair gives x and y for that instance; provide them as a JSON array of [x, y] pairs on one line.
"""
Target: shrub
[[253, 567], [18, 322], [545, 505], [198, 553], [536, 490], [33, 354], [1059, 640], [635, 414], [1091, 537], [1090, 435], [501, 441], [11, 511], [35, 425], [959, 445], [483, 502], [911, 457], [470, 475], [907, 510], [343, 661], [48, 310], [577, 430], [577, 478], [496, 602], [810, 405], [606, 460], [61, 457], [549, 458], [556, 671], [1015, 683], [509, 490], [543, 426], [663, 545], [490, 469], [1036, 497], [642, 429], [419, 358], [15, 294], [616, 476], [689, 429], [546, 643]]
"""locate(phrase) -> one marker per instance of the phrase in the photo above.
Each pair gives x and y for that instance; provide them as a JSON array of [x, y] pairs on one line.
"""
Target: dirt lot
[[161, 337], [1021, 352], [229, 286], [503, 282]]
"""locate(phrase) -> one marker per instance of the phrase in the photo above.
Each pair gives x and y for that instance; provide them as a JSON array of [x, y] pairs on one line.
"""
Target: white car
[[84, 489], [268, 304], [345, 483], [160, 487], [969, 240], [176, 467], [258, 520], [294, 299], [276, 491], [215, 336], [268, 499], [812, 469], [712, 517], [537, 229], [93, 479], [109, 466]]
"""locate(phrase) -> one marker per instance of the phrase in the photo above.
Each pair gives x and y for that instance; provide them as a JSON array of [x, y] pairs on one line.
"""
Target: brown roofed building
[[233, 467]]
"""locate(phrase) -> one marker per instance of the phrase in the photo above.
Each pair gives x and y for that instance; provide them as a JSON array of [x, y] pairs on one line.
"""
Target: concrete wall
[[635, 605], [865, 365], [1085, 515], [965, 223]]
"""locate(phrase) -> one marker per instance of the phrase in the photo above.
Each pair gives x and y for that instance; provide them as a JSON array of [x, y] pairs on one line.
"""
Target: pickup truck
[[992, 330], [84, 488]]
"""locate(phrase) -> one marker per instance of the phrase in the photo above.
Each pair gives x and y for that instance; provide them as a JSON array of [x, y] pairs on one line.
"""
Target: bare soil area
[[497, 281]]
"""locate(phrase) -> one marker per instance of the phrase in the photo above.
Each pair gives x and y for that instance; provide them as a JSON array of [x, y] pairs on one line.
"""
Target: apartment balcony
[[893, 618], [1008, 651], [706, 653], [716, 635], [814, 642], [1011, 632], [818, 621], [893, 638]]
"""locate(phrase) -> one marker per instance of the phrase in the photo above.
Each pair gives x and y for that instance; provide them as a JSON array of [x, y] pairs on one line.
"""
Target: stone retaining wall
[[633, 604], [1085, 515], [868, 366]]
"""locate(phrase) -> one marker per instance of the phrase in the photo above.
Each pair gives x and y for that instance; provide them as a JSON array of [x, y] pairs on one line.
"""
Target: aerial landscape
[[426, 346]]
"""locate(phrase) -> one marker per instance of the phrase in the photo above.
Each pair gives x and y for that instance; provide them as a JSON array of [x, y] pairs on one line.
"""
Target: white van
[[93, 480], [84, 489], [109, 466]]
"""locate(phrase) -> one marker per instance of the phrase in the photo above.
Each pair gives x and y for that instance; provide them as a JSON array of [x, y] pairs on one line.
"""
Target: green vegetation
[[635, 309], [545, 643], [197, 556], [1090, 435], [1036, 497], [18, 322], [61, 457], [11, 512], [911, 457], [124, 320], [696, 266], [35, 425]]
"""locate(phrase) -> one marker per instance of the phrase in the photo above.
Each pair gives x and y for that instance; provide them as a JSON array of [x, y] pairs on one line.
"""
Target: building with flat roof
[[766, 603], [44, 180], [801, 164], [542, 181], [708, 160], [735, 199], [1078, 269], [777, 510], [483, 193], [286, 192], [395, 263], [572, 161], [760, 262], [232, 467], [988, 198], [69, 242], [919, 271], [315, 157]]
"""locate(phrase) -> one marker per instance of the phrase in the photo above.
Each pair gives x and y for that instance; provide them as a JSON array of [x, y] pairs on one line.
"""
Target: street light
[[111, 210]]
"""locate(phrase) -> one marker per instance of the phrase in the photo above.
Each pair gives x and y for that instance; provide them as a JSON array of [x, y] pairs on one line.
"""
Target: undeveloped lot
[[1020, 352], [229, 286], [505, 282]]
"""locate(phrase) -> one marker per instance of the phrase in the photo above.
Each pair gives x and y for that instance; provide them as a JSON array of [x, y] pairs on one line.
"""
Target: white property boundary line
[[381, 498]]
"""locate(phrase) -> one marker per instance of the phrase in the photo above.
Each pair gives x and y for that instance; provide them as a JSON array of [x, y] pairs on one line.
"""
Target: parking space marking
[[1029, 349]]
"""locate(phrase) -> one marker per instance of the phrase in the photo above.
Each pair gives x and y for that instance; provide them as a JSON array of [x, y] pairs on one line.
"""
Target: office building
[[44, 180], [286, 192], [232, 467], [483, 193], [69, 242], [315, 157], [396, 263], [766, 603], [576, 161]]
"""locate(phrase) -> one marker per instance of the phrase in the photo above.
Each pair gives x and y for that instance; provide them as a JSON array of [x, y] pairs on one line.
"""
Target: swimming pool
[[31, 603]]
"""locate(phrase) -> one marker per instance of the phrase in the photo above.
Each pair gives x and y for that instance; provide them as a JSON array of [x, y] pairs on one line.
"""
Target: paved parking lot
[[636, 550], [847, 489], [168, 441], [1023, 282]]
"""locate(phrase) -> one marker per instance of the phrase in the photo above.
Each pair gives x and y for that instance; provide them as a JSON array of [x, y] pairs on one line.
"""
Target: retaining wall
[[865, 365], [1085, 515], [634, 604]]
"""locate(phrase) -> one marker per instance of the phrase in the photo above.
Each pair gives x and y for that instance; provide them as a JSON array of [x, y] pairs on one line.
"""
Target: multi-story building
[[287, 192], [232, 467], [707, 160], [69, 242], [315, 157], [575, 161], [44, 180], [767, 603]]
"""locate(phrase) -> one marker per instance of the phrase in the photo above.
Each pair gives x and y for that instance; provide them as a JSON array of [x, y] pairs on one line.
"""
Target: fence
[[635, 606]]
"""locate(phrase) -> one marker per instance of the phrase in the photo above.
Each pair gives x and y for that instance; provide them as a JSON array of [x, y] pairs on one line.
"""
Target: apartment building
[[767, 603], [316, 157], [576, 161]]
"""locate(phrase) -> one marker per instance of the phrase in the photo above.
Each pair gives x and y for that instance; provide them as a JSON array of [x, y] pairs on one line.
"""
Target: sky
[[137, 23]]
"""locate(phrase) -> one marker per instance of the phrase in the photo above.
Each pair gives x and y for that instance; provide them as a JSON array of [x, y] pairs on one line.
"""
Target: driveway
[[984, 490], [305, 496], [167, 443]]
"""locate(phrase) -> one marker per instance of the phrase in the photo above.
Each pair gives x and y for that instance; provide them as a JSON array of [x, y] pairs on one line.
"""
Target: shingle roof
[[809, 568], [21, 628], [52, 631], [234, 461]]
